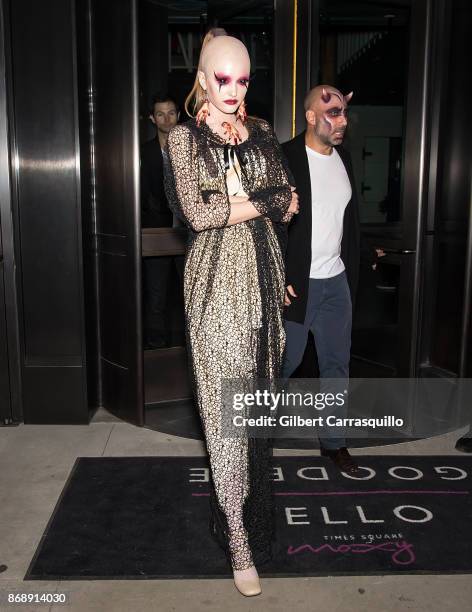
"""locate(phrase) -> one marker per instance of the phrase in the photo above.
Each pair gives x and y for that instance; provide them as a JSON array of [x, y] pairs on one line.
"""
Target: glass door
[[378, 50]]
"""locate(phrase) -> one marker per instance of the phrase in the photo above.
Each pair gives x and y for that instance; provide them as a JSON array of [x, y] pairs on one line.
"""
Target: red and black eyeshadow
[[223, 79]]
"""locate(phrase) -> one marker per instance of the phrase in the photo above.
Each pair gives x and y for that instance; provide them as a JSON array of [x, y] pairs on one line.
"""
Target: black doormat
[[147, 517]]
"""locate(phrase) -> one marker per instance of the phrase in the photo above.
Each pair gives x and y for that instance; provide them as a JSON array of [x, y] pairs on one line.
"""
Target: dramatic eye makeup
[[337, 112], [223, 79]]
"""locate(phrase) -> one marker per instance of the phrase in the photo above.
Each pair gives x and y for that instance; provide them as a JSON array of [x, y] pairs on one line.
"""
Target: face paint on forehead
[[336, 109], [326, 96]]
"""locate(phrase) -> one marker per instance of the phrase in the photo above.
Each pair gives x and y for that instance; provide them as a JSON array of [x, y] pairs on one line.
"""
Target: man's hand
[[290, 291], [380, 253]]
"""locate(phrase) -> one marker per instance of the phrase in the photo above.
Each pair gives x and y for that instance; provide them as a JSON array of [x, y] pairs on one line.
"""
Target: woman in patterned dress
[[226, 180]]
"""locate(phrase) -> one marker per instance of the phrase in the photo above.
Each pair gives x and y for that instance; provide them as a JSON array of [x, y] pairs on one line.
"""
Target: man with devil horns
[[323, 252]]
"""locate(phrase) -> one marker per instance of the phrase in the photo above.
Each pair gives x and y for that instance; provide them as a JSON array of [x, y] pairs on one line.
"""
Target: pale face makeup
[[225, 74]]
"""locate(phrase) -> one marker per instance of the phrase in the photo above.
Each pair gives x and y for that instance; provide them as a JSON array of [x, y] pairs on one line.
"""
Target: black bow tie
[[233, 152]]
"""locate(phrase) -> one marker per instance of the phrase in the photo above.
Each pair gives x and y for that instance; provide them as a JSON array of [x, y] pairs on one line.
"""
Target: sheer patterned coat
[[233, 291]]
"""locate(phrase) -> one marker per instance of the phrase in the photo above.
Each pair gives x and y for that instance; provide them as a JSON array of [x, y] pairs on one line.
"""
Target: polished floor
[[35, 462]]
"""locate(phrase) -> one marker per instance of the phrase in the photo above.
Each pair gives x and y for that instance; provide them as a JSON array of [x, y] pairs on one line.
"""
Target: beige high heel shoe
[[247, 581]]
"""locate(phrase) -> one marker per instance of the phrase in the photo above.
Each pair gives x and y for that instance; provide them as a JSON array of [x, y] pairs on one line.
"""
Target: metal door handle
[[397, 251]]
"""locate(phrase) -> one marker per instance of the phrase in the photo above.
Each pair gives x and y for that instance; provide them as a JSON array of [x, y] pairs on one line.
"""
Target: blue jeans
[[329, 317]]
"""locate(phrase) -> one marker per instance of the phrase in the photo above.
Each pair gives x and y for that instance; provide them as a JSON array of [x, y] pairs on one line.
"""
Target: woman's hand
[[293, 209], [294, 206]]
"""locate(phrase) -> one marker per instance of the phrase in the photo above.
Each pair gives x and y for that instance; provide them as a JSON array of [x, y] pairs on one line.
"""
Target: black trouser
[[157, 272]]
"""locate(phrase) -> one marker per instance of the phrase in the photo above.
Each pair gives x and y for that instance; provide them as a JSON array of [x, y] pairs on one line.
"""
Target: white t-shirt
[[330, 193]]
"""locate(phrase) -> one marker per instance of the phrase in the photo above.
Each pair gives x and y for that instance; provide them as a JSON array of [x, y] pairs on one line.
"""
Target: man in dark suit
[[164, 114], [323, 252], [155, 212]]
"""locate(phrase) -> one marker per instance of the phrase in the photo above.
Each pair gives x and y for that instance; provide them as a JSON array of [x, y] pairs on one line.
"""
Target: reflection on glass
[[163, 114], [364, 48], [163, 301], [376, 330]]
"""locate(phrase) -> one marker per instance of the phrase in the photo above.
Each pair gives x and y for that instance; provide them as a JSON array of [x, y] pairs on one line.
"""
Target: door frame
[[118, 221], [14, 411]]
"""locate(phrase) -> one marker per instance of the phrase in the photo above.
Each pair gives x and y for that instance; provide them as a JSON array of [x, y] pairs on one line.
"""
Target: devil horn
[[325, 96], [347, 98]]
